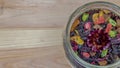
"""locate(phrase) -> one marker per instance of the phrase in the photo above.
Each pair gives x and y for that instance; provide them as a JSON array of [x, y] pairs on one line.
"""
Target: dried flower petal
[[92, 53], [76, 22], [75, 48], [78, 40], [102, 63], [108, 28], [101, 20], [93, 62], [86, 55], [95, 18], [87, 25], [101, 13], [97, 27]]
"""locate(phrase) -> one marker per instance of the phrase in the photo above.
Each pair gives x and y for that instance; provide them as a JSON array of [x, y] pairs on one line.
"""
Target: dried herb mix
[[95, 37]]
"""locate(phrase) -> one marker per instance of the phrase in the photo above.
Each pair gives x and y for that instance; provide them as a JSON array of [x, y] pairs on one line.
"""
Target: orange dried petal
[[103, 63], [101, 14], [101, 20], [106, 11], [95, 17], [106, 17], [76, 22], [108, 28]]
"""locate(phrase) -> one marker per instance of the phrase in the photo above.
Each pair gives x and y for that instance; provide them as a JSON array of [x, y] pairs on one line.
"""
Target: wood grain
[[29, 38], [43, 57]]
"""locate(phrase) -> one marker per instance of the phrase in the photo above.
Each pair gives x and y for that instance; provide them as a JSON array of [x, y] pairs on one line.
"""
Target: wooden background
[[31, 32]]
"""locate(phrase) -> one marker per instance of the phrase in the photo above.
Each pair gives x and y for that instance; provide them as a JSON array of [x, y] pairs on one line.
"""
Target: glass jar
[[73, 58]]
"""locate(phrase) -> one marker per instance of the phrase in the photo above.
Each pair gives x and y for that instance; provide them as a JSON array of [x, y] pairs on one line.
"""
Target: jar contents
[[95, 37]]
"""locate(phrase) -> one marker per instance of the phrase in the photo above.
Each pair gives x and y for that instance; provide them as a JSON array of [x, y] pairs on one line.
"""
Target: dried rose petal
[[101, 20], [86, 55], [87, 25], [108, 28], [98, 39]]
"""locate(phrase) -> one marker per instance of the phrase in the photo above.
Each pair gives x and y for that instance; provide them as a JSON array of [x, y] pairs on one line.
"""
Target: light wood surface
[[31, 32], [43, 57], [29, 38]]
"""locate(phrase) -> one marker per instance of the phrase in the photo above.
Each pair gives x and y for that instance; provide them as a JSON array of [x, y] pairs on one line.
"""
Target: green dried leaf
[[104, 53], [112, 33], [113, 22], [85, 16]]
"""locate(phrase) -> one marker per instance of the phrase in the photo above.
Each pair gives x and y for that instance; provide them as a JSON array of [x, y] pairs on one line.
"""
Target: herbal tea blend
[[95, 37]]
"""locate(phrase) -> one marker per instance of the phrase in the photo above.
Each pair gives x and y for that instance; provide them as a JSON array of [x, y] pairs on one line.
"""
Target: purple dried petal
[[73, 43], [90, 45], [93, 63], [118, 36], [107, 46], [75, 48], [94, 48], [115, 41]]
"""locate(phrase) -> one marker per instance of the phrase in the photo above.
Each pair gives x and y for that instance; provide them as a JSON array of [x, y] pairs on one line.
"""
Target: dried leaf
[[112, 33], [113, 22], [85, 16], [104, 53]]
